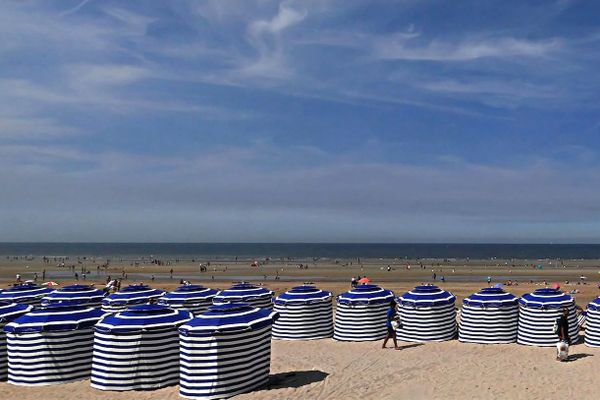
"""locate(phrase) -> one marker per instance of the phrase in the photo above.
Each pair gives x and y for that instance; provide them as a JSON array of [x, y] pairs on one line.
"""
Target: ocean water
[[306, 250]]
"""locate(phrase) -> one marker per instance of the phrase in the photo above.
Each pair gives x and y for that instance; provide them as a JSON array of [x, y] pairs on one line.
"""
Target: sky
[[300, 121]]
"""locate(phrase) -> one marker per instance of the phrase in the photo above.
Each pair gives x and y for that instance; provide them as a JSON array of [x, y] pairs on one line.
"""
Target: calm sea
[[306, 250]]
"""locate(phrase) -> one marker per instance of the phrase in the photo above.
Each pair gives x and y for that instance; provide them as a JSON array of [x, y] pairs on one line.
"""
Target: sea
[[307, 250]]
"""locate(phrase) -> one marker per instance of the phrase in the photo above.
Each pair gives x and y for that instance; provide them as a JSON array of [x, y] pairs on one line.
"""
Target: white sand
[[449, 370]]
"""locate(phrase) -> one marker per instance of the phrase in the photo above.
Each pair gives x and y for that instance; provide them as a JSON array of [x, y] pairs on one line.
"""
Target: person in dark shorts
[[392, 323], [562, 330]]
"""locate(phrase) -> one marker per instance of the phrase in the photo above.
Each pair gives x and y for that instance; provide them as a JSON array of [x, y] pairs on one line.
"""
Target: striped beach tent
[[137, 349], [305, 312], [129, 296], [427, 313], [489, 316], [538, 312], [225, 351], [51, 345], [361, 314], [244, 292], [194, 298], [8, 313], [25, 293], [86, 295], [592, 324]]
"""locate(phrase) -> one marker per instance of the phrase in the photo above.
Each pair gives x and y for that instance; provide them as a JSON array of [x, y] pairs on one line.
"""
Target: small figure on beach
[[353, 282], [562, 330], [393, 323]]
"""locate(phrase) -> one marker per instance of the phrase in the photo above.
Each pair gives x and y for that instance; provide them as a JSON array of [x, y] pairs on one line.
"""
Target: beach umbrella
[[26, 293], [426, 313], [305, 313], [194, 298], [75, 295], [364, 280], [538, 312], [8, 313], [225, 351], [361, 314], [51, 345], [130, 295], [592, 324], [489, 316], [244, 292], [137, 349]]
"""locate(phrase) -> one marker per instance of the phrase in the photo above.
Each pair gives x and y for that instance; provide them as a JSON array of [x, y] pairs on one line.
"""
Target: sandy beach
[[325, 369]]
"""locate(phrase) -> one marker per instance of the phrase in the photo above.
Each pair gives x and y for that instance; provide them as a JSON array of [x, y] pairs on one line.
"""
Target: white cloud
[[399, 48]]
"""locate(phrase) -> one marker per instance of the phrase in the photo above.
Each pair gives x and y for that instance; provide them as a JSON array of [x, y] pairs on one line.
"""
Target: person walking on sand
[[392, 324], [562, 330]]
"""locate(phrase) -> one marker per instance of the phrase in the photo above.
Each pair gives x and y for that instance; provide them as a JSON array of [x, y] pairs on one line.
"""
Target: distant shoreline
[[300, 251]]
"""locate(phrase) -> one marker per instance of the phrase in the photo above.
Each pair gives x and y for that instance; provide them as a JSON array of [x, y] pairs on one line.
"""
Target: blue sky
[[353, 121]]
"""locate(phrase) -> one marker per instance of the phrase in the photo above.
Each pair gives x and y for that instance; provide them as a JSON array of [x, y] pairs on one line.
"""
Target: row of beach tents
[[217, 344]]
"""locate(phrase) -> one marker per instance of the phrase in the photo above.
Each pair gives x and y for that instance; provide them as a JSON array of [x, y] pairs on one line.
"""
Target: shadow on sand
[[410, 346], [575, 357], [294, 379]]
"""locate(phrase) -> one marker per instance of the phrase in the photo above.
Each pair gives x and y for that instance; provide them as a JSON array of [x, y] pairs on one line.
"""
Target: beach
[[325, 369]]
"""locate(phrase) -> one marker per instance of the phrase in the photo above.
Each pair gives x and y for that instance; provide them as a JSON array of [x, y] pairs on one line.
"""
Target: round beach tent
[[361, 314], [538, 311], [225, 351], [244, 292], [489, 316], [8, 313], [427, 314], [86, 295], [194, 298], [26, 293], [137, 349], [592, 327], [129, 296], [305, 312], [51, 345]]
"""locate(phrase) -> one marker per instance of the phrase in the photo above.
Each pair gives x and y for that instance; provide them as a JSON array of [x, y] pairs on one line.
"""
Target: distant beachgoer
[[44, 275], [392, 324], [18, 277], [489, 280], [171, 272], [353, 282], [152, 278], [434, 276], [443, 279], [562, 330], [76, 276]]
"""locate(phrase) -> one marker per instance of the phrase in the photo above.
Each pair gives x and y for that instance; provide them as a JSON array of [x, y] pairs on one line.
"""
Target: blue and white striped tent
[[51, 345], [305, 312], [361, 314], [225, 351], [489, 316], [538, 312], [427, 314], [194, 298], [85, 295], [245, 292], [137, 349], [25, 293], [129, 296], [592, 324], [8, 313]]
